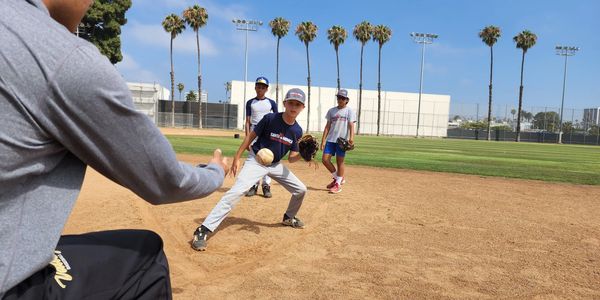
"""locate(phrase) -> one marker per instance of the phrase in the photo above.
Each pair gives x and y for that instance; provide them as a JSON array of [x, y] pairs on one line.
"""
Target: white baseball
[[264, 156]]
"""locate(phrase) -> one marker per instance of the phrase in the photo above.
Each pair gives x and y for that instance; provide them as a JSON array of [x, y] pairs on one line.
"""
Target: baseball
[[264, 156]]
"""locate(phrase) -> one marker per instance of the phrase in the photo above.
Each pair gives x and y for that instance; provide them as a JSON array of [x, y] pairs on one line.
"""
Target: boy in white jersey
[[340, 123], [256, 109]]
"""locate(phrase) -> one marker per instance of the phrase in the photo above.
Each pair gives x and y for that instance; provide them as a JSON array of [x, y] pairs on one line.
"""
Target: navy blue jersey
[[278, 136]]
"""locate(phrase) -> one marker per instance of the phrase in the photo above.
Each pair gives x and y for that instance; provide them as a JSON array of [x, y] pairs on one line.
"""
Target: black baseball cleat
[[252, 191], [267, 191], [199, 239], [293, 222]]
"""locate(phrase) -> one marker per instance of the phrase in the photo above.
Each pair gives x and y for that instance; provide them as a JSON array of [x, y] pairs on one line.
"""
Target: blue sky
[[457, 63]]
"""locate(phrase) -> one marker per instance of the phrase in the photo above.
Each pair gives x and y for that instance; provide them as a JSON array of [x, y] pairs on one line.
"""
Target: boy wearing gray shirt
[[340, 123]]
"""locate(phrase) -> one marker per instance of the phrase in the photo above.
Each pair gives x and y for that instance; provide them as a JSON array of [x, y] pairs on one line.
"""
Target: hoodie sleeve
[[90, 111]]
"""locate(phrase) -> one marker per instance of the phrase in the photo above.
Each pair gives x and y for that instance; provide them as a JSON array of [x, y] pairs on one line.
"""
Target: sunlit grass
[[551, 162]]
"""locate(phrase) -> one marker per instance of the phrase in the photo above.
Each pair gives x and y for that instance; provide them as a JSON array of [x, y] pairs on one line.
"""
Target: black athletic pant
[[119, 264]]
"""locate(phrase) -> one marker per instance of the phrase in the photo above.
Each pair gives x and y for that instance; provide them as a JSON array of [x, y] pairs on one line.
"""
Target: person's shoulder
[[298, 130], [272, 116], [296, 127]]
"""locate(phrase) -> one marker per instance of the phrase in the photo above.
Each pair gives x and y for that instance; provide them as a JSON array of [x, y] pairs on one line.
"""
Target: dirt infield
[[389, 234]]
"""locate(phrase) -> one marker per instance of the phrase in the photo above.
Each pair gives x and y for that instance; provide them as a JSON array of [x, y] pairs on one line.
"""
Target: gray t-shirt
[[64, 106], [339, 120]]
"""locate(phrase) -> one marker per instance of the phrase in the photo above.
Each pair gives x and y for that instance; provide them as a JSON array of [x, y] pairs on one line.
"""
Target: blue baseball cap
[[262, 80], [295, 94]]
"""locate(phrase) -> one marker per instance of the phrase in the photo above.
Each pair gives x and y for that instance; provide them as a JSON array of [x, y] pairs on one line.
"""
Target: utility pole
[[246, 25], [423, 39], [565, 51]]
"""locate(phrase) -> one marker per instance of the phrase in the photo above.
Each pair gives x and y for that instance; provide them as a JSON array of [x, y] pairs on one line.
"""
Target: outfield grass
[[563, 163]]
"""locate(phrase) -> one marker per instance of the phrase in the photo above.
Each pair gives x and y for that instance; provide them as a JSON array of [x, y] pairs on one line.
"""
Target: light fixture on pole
[[422, 38], [565, 51], [246, 25]]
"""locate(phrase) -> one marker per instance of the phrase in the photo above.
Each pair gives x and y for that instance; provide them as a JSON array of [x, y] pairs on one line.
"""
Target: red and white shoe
[[329, 186], [335, 189]]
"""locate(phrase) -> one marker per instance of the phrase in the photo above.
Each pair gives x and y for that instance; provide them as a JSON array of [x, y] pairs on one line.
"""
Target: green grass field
[[563, 163]]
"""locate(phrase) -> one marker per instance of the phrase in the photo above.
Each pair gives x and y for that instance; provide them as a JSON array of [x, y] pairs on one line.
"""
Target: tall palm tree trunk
[[337, 59], [360, 90], [199, 82], [277, 75], [308, 80], [379, 90], [518, 138], [172, 87], [490, 94]]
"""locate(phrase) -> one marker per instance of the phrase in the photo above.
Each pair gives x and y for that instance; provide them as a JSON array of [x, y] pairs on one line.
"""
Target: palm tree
[[362, 32], [307, 32], [525, 40], [173, 25], [180, 88], [279, 28], [489, 35], [197, 17], [337, 35], [190, 96], [382, 35]]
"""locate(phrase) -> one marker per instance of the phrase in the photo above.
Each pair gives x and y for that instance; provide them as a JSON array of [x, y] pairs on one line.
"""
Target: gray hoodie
[[64, 106]]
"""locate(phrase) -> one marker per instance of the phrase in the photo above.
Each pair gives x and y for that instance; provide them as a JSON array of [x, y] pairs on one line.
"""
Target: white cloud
[[133, 72], [215, 9], [155, 35]]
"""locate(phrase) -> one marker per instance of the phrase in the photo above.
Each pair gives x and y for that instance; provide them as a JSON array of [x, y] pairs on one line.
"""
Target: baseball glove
[[308, 147], [344, 144]]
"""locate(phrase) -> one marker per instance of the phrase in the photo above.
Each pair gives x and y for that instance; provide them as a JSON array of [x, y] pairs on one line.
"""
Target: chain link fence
[[404, 123], [538, 123], [214, 115]]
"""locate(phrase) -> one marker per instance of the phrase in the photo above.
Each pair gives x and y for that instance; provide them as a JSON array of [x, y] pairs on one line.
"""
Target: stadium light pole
[[423, 39], [246, 25], [565, 51]]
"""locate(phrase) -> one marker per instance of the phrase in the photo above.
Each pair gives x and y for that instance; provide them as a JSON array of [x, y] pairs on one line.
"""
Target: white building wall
[[145, 97], [398, 110]]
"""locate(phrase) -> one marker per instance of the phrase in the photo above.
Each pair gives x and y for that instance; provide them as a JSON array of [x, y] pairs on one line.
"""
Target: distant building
[[146, 95], [591, 116], [398, 109]]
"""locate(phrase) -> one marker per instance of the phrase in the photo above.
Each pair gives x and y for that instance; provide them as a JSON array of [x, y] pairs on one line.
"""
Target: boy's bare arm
[[243, 147], [325, 133], [351, 129], [247, 127], [294, 156]]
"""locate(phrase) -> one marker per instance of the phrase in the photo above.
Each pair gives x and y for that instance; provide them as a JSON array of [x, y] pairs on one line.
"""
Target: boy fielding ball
[[279, 133]]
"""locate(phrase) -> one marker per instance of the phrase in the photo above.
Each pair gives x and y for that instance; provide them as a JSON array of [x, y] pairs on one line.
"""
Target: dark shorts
[[333, 149], [117, 264]]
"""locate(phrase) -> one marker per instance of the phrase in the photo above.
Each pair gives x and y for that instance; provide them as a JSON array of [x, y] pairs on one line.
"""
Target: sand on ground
[[389, 234]]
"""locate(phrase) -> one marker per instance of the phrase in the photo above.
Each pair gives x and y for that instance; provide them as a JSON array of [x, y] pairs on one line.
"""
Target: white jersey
[[339, 119], [256, 109]]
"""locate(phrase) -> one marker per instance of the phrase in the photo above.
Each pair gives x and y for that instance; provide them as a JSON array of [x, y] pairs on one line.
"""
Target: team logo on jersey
[[338, 117], [279, 137]]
